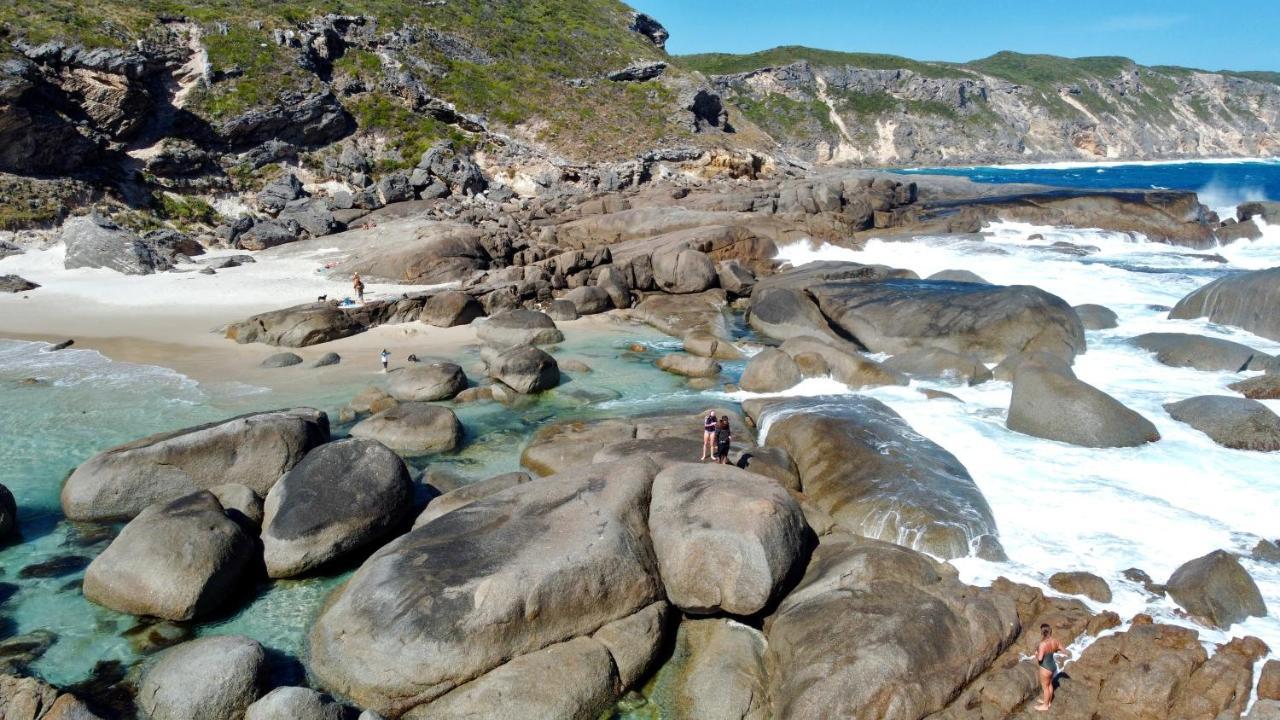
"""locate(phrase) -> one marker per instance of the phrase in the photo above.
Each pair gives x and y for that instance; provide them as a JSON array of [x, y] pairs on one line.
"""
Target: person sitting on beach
[[1048, 647], [412, 358], [386, 358], [708, 435], [358, 285], [723, 438]]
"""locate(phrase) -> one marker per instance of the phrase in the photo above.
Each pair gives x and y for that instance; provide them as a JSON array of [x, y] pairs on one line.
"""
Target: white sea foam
[[1152, 507]]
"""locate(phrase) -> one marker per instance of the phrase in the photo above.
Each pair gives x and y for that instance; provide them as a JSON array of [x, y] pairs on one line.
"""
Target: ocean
[[1058, 507]]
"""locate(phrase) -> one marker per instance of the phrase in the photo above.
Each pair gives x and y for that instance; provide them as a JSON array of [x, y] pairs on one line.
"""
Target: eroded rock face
[[848, 641], [1051, 405], [176, 560], [990, 322], [212, 678], [342, 496], [725, 539], [863, 465], [1216, 589], [1246, 300], [94, 241], [408, 628], [1233, 422], [253, 450]]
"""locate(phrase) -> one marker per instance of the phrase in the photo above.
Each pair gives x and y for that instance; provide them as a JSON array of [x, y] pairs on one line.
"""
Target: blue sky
[[1239, 35]]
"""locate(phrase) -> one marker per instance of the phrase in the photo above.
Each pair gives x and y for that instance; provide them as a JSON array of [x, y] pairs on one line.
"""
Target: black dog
[[322, 298]]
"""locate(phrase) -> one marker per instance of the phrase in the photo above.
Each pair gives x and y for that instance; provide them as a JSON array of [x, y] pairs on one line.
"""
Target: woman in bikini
[[1045, 651]]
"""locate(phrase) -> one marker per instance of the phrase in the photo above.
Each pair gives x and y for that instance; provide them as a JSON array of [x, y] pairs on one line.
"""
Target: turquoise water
[[83, 403]]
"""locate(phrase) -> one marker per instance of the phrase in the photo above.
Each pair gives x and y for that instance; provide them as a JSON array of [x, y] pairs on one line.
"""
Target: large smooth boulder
[[93, 241], [688, 365], [990, 322], [450, 308], [680, 270], [15, 284], [176, 560], [725, 539], [341, 497], [296, 703], [1204, 353], [275, 195], [1246, 300], [252, 450], [783, 313], [636, 641], [467, 494], [1233, 422], [518, 327], [1010, 365], [413, 428], [1097, 317], [877, 631], [279, 360], [938, 364], [299, 326], [770, 370], [559, 446], [311, 215], [863, 465], [213, 678], [705, 344], [589, 300], [267, 234], [537, 564], [1081, 583], [1216, 588], [1051, 405], [961, 276], [524, 368], [842, 361], [677, 315], [427, 382]]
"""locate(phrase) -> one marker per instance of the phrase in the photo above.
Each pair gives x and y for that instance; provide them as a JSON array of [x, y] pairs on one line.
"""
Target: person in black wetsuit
[[1048, 647], [723, 438]]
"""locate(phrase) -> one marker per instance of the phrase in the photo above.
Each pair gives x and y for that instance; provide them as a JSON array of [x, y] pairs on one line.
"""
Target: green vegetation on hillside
[[1046, 71], [781, 116], [728, 64]]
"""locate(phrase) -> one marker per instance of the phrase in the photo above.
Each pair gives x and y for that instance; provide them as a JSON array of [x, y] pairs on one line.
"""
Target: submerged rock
[[1233, 422], [8, 514], [725, 539], [413, 428], [253, 450], [213, 678], [430, 612], [342, 496], [1054, 406], [176, 560], [1217, 589], [1263, 387], [863, 465], [1245, 300]]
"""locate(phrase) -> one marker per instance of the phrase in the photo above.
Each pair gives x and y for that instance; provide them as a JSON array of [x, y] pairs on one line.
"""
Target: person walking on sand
[[723, 438], [1045, 651], [708, 435], [386, 357], [358, 285]]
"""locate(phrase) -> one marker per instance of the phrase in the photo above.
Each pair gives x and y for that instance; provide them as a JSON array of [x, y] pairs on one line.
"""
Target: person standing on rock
[[358, 285], [386, 358], [723, 438], [708, 435], [1045, 651]]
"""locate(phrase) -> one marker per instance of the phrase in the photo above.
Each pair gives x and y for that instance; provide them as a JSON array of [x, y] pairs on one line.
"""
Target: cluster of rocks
[[95, 241]]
